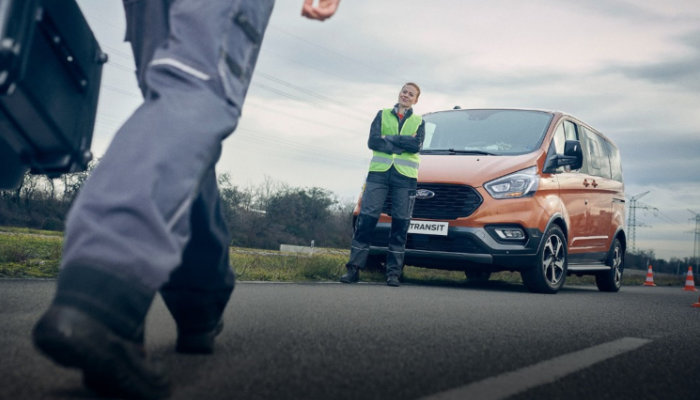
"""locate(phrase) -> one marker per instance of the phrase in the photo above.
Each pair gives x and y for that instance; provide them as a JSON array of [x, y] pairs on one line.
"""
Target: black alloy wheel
[[549, 272], [611, 281]]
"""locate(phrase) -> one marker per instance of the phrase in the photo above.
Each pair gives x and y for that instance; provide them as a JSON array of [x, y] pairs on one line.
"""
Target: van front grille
[[461, 244], [451, 244], [448, 201]]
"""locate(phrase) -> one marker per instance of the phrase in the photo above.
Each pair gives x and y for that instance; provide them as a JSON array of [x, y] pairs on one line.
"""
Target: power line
[[111, 50], [279, 92], [336, 53], [122, 91], [310, 152], [129, 67], [297, 117], [308, 92]]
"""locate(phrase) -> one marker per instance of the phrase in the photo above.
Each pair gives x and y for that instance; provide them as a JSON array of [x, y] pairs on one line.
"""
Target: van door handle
[[585, 183]]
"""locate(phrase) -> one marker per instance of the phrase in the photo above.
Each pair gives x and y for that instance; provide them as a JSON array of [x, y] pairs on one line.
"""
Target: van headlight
[[518, 184]]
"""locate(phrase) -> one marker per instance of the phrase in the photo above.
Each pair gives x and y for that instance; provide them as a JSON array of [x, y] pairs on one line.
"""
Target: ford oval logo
[[423, 194]]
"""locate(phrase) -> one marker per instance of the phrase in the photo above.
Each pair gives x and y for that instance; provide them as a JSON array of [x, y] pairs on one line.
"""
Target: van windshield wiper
[[486, 153], [455, 151]]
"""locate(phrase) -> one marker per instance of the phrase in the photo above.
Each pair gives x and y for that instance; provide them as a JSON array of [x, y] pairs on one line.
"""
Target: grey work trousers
[[403, 194], [149, 216]]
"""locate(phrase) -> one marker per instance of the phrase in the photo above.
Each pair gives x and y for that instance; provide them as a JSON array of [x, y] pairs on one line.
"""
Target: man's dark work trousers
[[403, 194]]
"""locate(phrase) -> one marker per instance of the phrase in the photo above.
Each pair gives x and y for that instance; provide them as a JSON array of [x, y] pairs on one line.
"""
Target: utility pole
[[632, 218], [696, 247]]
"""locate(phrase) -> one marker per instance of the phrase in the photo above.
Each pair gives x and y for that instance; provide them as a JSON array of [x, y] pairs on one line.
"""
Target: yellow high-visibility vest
[[406, 163]]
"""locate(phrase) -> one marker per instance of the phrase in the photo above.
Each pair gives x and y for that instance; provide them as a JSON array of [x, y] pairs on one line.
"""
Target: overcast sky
[[631, 69]]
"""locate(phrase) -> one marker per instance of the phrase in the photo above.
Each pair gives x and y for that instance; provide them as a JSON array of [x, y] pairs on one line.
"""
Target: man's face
[[408, 96]]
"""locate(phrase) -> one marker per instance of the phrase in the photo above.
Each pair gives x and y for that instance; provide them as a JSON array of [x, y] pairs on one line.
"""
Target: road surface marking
[[510, 383]]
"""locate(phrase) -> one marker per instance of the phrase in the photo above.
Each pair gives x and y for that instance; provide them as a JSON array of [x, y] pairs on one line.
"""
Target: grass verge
[[31, 253], [25, 255], [29, 231]]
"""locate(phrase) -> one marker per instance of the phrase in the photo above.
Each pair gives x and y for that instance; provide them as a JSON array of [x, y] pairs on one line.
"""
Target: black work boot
[[198, 342], [112, 365], [352, 276], [393, 280]]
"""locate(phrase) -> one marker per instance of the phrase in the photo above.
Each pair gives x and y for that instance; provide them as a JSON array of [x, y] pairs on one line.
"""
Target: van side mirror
[[572, 157]]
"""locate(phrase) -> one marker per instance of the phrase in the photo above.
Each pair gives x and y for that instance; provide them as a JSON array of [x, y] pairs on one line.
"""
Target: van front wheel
[[549, 272]]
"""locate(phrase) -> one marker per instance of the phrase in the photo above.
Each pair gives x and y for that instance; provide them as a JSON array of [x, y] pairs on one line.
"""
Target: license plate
[[428, 228]]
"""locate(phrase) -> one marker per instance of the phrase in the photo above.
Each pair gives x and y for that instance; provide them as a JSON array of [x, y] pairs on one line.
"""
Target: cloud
[[683, 72], [660, 158]]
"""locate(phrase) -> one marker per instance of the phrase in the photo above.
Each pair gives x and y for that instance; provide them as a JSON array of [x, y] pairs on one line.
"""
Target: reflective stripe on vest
[[405, 163], [395, 161]]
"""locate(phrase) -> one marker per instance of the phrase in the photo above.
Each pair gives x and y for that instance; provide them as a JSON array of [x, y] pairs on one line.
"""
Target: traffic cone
[[650, 278], [696, 305], [689, 281]]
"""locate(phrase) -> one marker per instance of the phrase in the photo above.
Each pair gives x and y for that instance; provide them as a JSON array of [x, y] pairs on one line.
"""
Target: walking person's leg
[[199, 289], [128, 229]]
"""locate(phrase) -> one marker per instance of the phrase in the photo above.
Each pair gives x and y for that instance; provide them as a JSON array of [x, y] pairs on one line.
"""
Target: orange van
[[533, 191]]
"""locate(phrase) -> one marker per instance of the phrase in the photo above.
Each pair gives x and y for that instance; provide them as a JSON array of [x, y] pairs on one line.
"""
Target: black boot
[[393, 280], [96, 324], [352, 276], [198, 342], [112, 365]]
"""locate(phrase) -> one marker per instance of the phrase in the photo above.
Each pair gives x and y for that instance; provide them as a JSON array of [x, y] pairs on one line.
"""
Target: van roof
[[499, 108]]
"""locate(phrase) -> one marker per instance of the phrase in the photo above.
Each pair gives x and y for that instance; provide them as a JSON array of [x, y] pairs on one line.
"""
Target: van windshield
[[491, 132]]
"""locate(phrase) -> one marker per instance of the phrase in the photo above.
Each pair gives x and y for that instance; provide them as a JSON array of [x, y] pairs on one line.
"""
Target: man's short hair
[[415, 86]]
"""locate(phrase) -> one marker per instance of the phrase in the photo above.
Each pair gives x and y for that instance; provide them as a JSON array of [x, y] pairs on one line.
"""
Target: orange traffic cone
[[650, 278], [689, 281], [697, 305]]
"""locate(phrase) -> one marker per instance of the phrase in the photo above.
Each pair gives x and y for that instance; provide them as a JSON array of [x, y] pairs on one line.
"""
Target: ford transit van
[[532, 191]]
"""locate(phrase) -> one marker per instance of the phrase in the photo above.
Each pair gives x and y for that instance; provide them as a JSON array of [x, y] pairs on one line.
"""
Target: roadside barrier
[[650, 277], [317, 251], [690, 281]]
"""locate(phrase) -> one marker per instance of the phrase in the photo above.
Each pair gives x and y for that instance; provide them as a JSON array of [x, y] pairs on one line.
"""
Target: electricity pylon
[[696, 247], [632, 217]]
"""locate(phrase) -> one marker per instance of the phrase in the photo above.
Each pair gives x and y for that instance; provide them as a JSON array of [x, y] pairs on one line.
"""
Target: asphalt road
[[370, 341]]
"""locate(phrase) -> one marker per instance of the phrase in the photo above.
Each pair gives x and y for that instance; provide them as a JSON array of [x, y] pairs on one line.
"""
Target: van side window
[[429, 131], [559, 139], [615, 163], [570, 130], [597, 149], [565, 131]]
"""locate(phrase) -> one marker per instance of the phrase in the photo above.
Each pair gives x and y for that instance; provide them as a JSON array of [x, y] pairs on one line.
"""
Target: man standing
[[149, 217], [396, 136]]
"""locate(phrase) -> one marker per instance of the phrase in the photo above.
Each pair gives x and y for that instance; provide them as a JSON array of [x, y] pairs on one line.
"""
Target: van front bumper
[[464, 248]]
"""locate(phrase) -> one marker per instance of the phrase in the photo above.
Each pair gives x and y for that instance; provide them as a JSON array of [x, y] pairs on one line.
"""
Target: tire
[[611, 281], [549, 272], [477, 276]]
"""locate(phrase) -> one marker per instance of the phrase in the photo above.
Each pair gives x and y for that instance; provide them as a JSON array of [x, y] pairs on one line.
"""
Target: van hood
[[472, 170]]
